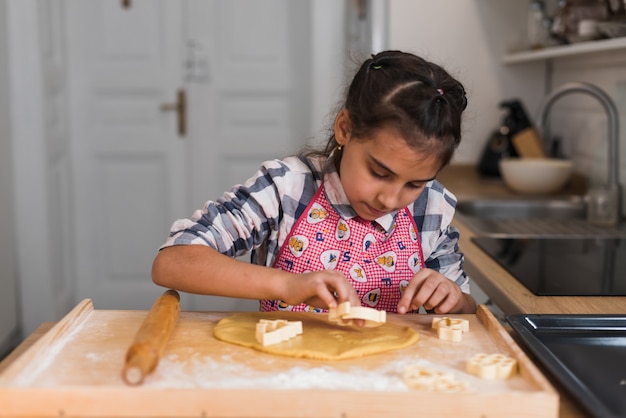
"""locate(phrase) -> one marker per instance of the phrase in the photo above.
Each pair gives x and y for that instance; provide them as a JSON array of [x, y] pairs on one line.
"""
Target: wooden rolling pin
[[144, 353]]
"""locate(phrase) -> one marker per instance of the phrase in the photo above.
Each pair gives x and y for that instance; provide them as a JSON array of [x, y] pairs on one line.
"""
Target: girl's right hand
[[321, 289]]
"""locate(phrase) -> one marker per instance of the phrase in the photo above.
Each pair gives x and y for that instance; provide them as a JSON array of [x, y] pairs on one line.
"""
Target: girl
[[362, 221]]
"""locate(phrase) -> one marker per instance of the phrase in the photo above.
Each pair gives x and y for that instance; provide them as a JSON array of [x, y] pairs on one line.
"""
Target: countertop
[[503, 289]]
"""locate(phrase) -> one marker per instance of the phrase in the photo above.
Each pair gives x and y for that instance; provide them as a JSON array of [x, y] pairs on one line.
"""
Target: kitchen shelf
[[566, 50]]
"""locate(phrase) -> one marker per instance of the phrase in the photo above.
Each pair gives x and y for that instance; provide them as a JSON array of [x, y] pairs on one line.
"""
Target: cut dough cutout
[[344, 314], [270, 332], [321, 339], [492, 366], [450, 329], [422, 378]]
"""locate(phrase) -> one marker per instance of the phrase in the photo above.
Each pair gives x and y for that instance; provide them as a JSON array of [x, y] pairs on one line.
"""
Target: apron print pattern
[[379, 266]]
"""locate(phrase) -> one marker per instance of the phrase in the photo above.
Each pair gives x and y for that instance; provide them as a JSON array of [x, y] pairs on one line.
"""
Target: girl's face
[[382, 173]]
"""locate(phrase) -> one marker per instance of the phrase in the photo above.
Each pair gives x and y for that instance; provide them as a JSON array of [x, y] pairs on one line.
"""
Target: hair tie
[[377, 63], [440, 91]]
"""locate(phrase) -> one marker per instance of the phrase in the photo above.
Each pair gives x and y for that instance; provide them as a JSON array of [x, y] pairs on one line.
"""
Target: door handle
[[180, 107]]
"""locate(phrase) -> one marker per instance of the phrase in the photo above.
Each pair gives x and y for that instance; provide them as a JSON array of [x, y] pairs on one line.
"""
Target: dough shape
[[320, 339], [422, 378], [450, 329], [344, 314], [492, 366], [274, 332]]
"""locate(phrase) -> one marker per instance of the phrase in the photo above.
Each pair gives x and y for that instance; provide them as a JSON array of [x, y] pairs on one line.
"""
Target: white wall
[[327, 77], [581, 121], [469, 39]]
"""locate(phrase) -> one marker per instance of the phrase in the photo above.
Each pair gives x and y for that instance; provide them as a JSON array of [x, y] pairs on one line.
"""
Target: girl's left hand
[[434, 291]]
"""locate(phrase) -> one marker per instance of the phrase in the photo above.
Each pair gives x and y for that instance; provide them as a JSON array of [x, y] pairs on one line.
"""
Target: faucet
[[613, 121]]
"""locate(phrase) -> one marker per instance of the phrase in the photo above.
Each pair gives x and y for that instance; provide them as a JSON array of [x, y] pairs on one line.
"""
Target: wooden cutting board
[[75, 370]]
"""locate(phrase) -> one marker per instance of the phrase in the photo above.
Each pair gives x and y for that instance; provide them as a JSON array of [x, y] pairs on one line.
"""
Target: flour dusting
[[224, 374]]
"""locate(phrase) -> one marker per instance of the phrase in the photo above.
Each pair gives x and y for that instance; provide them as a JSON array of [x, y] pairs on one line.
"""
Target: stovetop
[[562, 266]]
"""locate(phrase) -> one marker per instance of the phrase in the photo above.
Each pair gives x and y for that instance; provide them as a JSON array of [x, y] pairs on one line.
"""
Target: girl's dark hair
[[416, 97]]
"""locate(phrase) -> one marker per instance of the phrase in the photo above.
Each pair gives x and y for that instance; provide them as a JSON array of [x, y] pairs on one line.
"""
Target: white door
[[246, 73], [250, 95], [130, 171]]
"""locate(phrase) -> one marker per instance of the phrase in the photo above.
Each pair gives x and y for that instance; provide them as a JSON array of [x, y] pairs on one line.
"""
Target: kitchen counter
[[504, 290], [508, 294]]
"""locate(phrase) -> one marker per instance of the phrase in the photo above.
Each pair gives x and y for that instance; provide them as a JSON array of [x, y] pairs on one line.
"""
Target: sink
[[548, 245], [562, 217]]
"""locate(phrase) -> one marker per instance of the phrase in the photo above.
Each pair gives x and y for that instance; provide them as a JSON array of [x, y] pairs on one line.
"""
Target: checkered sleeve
[[433, 212], [248, 215]]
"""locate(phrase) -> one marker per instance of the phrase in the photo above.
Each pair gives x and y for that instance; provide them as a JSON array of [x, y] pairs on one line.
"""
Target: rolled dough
[[320, 339]]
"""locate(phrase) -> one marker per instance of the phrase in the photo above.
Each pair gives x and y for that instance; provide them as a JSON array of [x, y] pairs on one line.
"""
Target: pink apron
[[379, 266]]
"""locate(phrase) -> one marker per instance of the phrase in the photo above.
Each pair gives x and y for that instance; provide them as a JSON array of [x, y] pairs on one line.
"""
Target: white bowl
[[535, 175]]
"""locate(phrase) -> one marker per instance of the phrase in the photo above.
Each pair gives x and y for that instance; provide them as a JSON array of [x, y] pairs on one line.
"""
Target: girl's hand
[[434, 291], [321, 289]]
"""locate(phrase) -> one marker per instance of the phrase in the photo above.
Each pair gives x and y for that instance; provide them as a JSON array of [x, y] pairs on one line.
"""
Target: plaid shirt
[[258, 215]]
